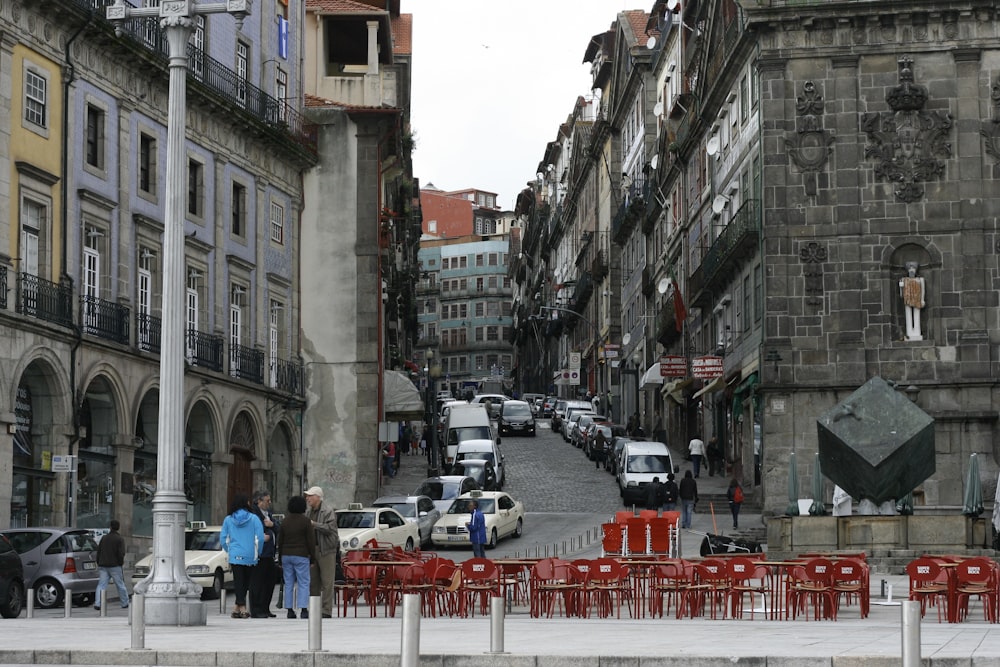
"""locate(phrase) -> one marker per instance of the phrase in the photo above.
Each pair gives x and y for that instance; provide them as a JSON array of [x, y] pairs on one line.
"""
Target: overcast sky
[[492, 82]]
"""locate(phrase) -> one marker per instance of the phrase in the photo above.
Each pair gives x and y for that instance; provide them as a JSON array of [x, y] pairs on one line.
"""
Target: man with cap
[[324, 520]]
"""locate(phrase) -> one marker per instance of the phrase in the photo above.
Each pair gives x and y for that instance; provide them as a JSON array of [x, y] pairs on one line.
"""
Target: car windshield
[[478, 455], [464, 433], [439, 490], [355, 519], [406, 509], [516, 410], [648, 463], [464, 506], [202, 540], [476, 472]]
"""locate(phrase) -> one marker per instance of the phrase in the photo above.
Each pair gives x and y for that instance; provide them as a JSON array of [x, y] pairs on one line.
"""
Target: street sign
[[611, 350], [706, 368], [574, 360], [568, 376], [673, 365], [62, 463]]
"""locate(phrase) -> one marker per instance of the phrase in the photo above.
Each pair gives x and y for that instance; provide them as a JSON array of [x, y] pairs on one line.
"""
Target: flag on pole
[[680, 312]]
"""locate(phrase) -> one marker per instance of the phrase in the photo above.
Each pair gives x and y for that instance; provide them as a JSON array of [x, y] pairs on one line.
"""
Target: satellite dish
[[673, 5], [626, 339], [658, 109], [651, 43], [655, 161], [713, 145], [662, 286], [719, 203]]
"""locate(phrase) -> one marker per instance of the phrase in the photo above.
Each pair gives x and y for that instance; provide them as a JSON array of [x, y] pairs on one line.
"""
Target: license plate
[[456, 538], [90, 566]]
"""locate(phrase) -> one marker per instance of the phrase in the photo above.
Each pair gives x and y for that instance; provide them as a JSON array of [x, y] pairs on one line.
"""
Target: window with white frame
[[242, 70], [277, 223], [238, 295], [33, 218], [274, 329], [94, 150], [197, 60], [191, 312], [91, 283], [281, 91], [144, 282], [36, 97], [196, 188], [480, 361]]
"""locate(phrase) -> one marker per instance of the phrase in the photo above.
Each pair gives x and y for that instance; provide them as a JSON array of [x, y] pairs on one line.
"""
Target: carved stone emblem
[[991, 128], [909, 142], [810, 145], [813, 255]]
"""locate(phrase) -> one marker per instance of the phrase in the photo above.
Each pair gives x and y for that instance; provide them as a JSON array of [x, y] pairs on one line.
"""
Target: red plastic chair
[[747, 579], [812, 583], [445, 578], [649, 514], [668, 585], [976, 578], [607, 587], [637, 539], [850, 581], [929, 585], [613, 538], [555, 584], [709, 587], [480, 582], [661, 536], [622, 516]]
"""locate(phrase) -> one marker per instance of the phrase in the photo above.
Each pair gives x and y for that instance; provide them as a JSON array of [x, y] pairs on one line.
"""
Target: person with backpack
[[735, 495], [670, 492]]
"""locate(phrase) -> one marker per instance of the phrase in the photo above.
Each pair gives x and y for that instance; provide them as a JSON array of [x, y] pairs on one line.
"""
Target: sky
[[492, 82]]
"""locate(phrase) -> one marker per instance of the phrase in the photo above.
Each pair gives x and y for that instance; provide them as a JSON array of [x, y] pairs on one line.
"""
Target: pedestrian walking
[[654, 494], [241, 532], [735, 495], [688, 493], [716, 459], [110, 559], [600, 444], [297, 548], [670, 493], [477, 530], [696, 448]]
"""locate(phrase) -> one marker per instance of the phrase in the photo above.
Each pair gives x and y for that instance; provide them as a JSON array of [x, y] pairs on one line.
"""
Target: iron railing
[[3, 288], [104, 319], [246, 363], [740, 235], [147, 332], [287, 376], [44, 299], [205, 350]]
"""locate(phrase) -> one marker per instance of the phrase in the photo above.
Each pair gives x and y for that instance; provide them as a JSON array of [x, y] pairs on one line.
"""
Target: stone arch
[[244, 444], [284, 477], [203, 457], [102, 418]]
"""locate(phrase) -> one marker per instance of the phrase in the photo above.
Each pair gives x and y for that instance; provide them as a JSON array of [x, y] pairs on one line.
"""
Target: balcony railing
[[738, 239], [246, 363], [3, 288], [217, 77], [104, 319], [44, 299], [205, 350], [584, 288], [147, 332], [287, 376]]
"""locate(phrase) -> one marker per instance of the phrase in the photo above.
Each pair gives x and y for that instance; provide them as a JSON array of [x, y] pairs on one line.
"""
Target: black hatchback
[[11, 580]]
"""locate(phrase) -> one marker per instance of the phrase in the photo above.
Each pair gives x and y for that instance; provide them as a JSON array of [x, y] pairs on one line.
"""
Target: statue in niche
[[911, 288]]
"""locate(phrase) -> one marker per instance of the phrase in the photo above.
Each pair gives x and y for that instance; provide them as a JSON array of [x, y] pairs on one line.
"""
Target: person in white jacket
[[696, 448]]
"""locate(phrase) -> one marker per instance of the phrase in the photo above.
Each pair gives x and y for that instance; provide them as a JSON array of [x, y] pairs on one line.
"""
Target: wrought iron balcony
[[287, 376], [666, 322], [147, 332], [599, 268], [104, 319], [246, 363], [44, 299], [3, 288], [205, 350], [584, 288], [737, 241]]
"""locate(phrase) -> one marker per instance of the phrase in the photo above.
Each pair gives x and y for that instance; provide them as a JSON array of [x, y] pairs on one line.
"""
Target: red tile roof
[[402, 34], [638, 19], [341, 7]]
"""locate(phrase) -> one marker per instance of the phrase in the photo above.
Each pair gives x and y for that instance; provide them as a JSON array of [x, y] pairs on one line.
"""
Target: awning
[[675, 388], [402, 398], [652, 377], [715, 385], [744, 387]]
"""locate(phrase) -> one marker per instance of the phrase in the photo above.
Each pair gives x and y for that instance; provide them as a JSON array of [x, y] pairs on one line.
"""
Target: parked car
[[415, 509], [205, 561], [504, 516], [548, 406], [484, 449], [443, 490], [534, 402], [464, 422], [494, 400], [516, 419], [638, 464], [357, 525], [56, 560], [572, 415], [578, 436], [617, 444], [611, 431], [11, 580], [481, 470]]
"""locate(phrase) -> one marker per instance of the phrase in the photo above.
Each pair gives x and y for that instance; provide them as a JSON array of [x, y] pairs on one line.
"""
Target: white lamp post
[[171, 598]]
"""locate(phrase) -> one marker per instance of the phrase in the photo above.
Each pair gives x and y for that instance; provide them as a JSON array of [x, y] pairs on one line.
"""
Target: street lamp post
[[433, 373], [171, 597], [637, 363]]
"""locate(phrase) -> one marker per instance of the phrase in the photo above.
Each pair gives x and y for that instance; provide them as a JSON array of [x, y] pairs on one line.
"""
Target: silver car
[[415, 509], [56, 560]]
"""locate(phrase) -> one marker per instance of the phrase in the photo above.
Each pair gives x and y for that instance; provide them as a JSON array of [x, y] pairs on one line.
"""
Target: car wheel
[[15, 600], [519, 529], [214, 592], [493, 539], [409, 544], [48, 593]]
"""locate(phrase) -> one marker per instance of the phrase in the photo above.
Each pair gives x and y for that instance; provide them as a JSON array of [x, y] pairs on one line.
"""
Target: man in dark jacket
[[654, 494], [265, 573], [689, 497], [110, 559]]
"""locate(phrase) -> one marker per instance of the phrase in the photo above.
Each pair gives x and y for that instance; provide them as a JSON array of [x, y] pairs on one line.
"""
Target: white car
[[204, 560], [415, 509], [504, 516], [357, 525]]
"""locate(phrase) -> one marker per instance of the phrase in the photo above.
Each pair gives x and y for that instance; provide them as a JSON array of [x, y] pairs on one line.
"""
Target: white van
[[484, 449], [465, 421], [638, 464]]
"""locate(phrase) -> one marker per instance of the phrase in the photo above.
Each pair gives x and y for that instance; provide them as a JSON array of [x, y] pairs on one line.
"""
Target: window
[[95, 136], [480, 308], [480, 260], [196, 58], [144, 282], [479, 284], [494, 259], [480, 361], [196, 186], [277, 223], [35, 98], [242, 68], [235, 327], [273, 338], [239, 205], [463, 262], [747, 303], [491, 282], [91, 288], [147, 162], [758, 297], [33, 217], [281, 91], [744, 100], [191, 312], [492, 333]]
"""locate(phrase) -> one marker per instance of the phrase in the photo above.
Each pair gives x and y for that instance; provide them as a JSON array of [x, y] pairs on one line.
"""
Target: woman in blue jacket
[[242, 537]]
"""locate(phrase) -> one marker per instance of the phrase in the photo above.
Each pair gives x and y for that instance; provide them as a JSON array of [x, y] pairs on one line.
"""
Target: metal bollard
[[222, 601], [67, 603], [137, 612], [496, 624], [888, 596], [911, 633], [315, 623], [30, 613], [103, 602], [409, 643]]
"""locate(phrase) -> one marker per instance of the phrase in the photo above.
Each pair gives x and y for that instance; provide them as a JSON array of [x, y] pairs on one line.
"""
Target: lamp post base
[[432, 471]]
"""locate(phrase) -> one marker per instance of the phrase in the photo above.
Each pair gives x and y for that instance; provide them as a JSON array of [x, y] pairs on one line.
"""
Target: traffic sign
[[673, 365], [706, 368]]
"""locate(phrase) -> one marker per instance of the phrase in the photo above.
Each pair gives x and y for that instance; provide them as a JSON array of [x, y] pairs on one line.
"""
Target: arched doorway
[[95, 472], [199, 445], [34, 485], [284, 481], [243, 447], [144, 464]]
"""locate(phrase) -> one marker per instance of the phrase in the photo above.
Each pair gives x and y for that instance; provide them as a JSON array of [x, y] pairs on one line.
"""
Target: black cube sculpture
[[876, 443]]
